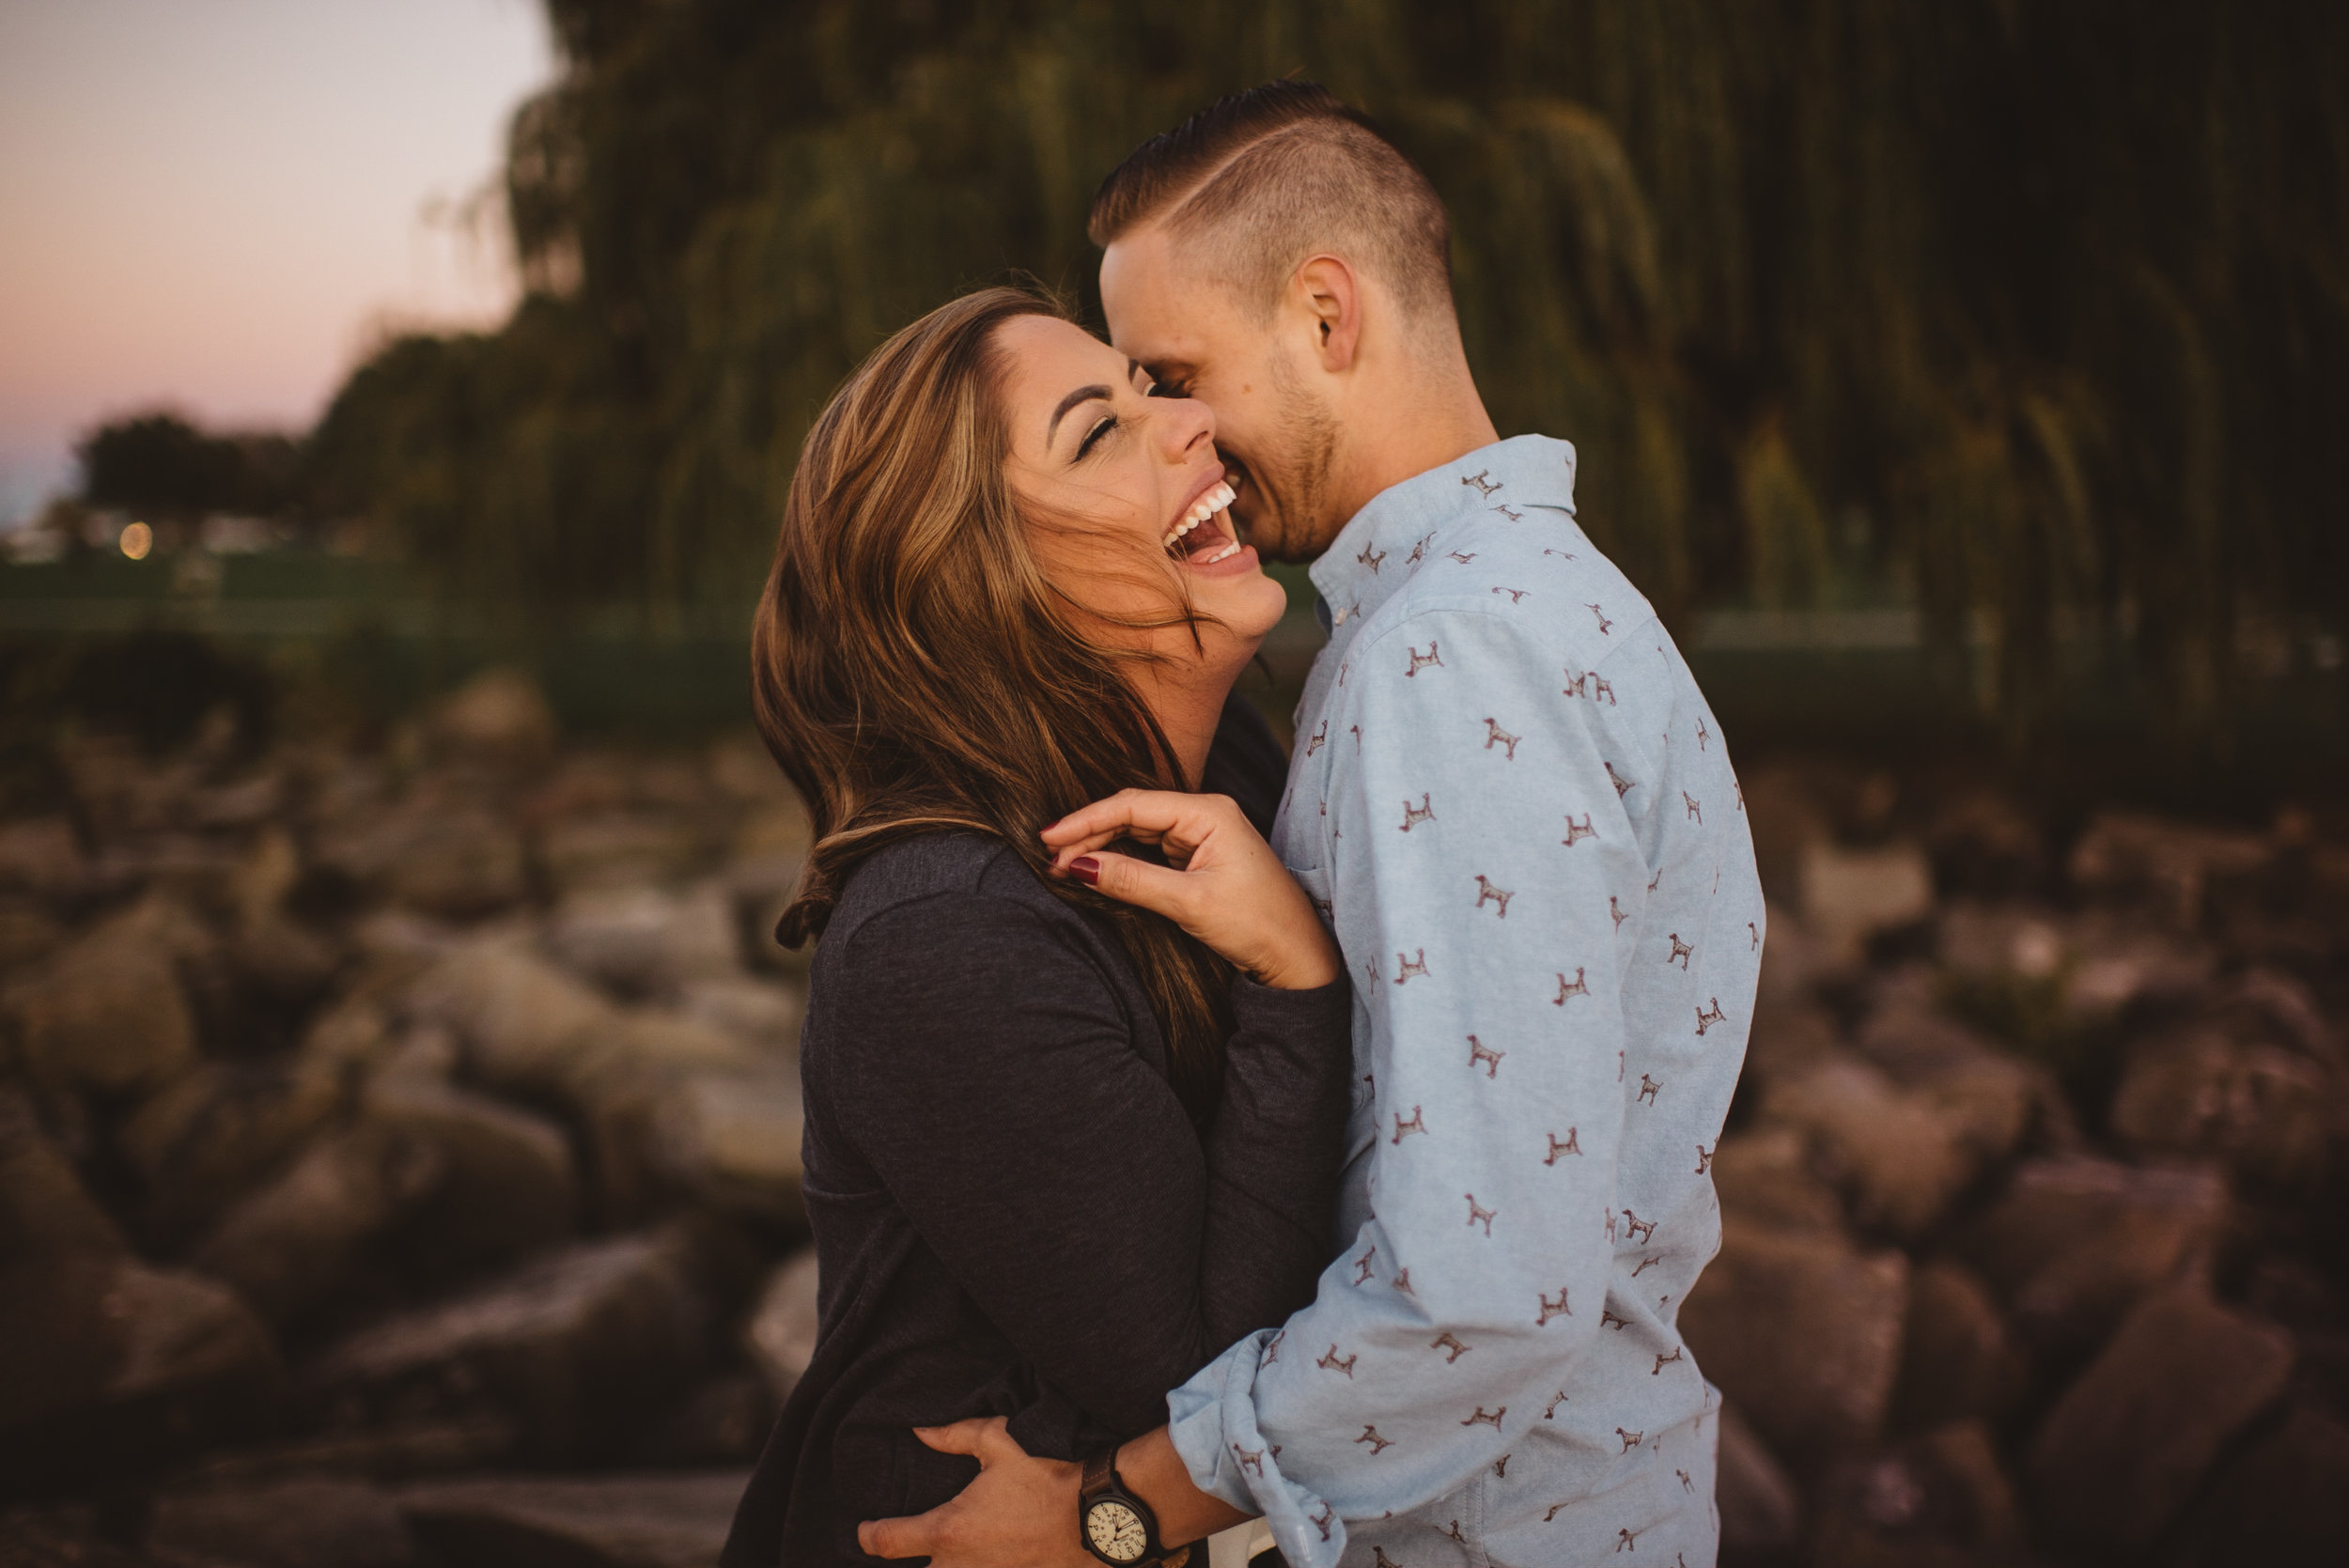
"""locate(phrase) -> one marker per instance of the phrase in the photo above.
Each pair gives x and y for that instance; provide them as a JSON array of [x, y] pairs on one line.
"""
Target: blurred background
[[399, 1118]]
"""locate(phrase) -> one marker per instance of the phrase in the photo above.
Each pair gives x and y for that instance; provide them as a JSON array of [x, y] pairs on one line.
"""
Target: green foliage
[[2033, 310], [159, 463]]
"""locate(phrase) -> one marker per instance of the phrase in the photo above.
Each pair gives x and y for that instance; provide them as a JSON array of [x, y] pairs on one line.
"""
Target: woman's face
[[1137, 492]]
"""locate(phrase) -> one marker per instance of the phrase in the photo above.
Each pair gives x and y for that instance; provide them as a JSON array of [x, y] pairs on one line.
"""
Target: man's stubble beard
[[1295, 490]]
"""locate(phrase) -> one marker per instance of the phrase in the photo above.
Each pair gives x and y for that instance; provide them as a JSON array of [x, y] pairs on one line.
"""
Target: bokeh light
[[137, 539]]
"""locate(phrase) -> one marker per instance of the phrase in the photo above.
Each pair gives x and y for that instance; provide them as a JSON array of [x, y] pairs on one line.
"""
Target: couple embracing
[[1194, 1139]]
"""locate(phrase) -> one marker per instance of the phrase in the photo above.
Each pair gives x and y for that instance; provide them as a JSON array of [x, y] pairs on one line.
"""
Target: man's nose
[[1189, 425]]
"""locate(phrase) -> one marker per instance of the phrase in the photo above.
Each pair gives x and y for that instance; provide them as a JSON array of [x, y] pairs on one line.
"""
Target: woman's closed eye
[[1107, 423]]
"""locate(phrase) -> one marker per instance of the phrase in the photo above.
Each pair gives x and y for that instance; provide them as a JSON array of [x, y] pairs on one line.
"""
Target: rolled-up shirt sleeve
[[1480, 866]]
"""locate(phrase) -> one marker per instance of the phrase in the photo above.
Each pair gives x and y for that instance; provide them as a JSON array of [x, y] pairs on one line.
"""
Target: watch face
[[1117, 1532]]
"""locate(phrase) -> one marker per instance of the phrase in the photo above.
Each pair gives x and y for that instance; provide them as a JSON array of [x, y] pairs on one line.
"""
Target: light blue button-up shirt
[[1512, 805]]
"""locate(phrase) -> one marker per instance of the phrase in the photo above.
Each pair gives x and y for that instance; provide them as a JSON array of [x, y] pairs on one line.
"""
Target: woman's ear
[[1333, 300]]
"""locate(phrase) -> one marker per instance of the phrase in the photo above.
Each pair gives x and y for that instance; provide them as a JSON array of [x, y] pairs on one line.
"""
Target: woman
[[1060, 1151]]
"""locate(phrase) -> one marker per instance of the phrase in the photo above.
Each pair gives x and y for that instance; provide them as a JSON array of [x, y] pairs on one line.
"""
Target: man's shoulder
[[1533, 577]]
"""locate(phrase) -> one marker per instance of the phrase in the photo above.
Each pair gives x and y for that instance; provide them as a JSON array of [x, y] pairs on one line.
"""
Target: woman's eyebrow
[[1083, 394]]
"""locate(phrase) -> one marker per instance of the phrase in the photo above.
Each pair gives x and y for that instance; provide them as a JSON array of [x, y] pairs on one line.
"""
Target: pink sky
[[218, 204]]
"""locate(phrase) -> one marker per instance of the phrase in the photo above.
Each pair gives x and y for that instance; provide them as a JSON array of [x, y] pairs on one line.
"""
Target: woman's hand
[[1221, 881]]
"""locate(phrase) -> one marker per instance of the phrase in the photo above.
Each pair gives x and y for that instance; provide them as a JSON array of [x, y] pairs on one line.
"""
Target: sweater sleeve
[[998, 1092]]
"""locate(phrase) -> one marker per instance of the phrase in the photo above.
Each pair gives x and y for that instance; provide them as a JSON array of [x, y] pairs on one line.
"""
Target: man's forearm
[[1154, 1471]]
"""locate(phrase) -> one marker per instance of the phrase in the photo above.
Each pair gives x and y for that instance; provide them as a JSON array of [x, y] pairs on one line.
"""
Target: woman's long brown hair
[[914, 671]]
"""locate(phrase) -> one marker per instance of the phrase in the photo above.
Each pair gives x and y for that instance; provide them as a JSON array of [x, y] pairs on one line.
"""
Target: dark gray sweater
[[1014, 1216]]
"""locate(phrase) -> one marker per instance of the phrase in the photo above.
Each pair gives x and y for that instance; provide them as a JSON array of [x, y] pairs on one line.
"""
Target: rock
[[1986, 1098], [643, 942], [394, 1450], [525, 1025], [2073, 1243], [1939, 1499], [295, 1243], [1848, 895], [1802, 1331], [1956, 1360], [574, 1346], [213, 1136], [438, 850], [2128, 855], [780, 1332], [45, 1211], [724, 1421], [733, 1142], [1789, 1036], [1761, 1513], [62, 1535], [1787, 818], [290, 1524], [763, 1012], [2269, 1114], [1983, 842], [620, 849], [2285, 1501], [499, 717], [107, 1014], [1900, 1157], [1765, 1176], [604, 1521], [105, 1363], [2127, 1443], [41, 856], [504, 1183], [27, 931]]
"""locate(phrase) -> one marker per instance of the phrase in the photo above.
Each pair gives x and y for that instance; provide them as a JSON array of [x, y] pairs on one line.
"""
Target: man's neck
[[1388, 439]]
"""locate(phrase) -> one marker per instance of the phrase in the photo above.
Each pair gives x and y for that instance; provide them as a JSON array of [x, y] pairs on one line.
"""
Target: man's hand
[[1019, 1513]]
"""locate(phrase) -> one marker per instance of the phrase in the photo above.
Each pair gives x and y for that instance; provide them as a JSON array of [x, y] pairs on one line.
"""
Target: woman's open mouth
[[1200, 538]]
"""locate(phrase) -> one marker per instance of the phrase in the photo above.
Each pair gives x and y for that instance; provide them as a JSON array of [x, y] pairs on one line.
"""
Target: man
[[1516, 810]]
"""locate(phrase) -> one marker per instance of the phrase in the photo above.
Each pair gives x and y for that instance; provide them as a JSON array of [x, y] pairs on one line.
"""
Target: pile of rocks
[[399, 1166], [2034, 1192], [387, 1142]]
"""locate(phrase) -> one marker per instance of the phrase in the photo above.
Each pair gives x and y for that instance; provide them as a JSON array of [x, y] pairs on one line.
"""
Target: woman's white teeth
[[1224, 554], [1218, 497]]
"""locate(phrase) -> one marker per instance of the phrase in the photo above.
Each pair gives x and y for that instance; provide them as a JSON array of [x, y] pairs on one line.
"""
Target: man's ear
[[1333, 298]]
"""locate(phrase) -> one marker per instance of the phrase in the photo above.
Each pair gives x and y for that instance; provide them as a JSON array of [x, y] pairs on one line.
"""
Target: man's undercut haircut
[[1257, 182]]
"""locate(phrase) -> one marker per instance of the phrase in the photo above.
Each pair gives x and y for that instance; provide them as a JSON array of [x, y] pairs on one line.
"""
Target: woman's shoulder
[[946, 881]]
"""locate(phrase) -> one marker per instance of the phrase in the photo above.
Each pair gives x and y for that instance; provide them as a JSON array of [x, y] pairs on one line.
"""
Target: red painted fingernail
[[1085, 869]]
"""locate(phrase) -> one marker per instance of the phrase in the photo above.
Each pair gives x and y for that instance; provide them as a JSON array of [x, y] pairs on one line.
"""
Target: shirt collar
[[1371, 556]]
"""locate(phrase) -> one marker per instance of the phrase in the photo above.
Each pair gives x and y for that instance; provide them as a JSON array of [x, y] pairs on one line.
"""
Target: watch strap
[[1098, 1478]]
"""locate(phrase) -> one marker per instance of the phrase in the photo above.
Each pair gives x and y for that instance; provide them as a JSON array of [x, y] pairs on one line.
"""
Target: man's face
[[1273, 426]]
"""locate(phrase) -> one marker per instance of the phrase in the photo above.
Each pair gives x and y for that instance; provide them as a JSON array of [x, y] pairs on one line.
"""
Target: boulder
[[2266, 1113], [603, 1521], [1761, 1513], [1989, 1100], [1984, 843], [641, 941], [41, 856], [1956, 1359], [2284, 1500], [723, 1421], [2073, 1243], [621, 849], [527, 1026], [1789, 1036], [2130, 1441], [499, 717], [1849, 895], [1765, 1176], [766, 1013], [63, 1535], [2132, 856], [1939, 1499], [438, 850], [294, 1244], [215, 1134], [106, 1014], [780, 1332], [45, 1211], [106, 1363], [288, 1524], [574, 1346], [1802, 1330], [1900, 1157], [732, 1141], [27, 931], [505, 1183]]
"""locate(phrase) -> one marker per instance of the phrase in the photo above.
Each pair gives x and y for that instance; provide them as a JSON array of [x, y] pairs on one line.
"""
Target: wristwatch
[[1117, 1527]]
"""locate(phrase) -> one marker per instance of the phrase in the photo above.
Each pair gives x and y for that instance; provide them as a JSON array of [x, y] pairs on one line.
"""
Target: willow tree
[[2033, 312]]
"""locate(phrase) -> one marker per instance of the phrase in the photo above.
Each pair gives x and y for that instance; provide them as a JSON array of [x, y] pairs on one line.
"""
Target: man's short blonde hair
[[1259, 182]]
